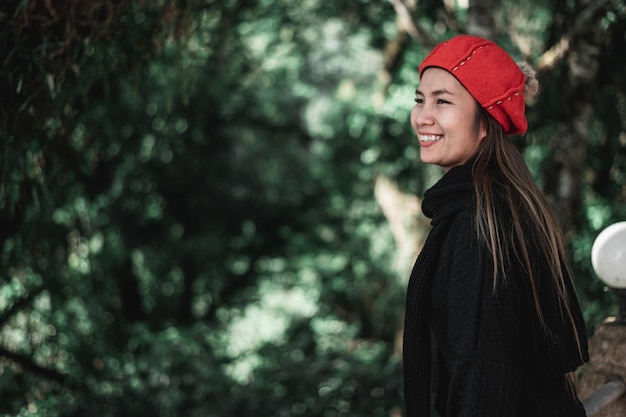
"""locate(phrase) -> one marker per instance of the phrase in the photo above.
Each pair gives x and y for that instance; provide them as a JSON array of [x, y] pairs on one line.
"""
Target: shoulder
[[463, 230], [462, 249]]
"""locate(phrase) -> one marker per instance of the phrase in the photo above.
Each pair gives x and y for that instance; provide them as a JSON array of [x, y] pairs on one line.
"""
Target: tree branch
[[29, 365], [560, 49], [409, 25], [9, 312]]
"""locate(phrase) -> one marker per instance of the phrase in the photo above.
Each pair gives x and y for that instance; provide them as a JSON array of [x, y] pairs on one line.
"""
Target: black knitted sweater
[[493, 357]]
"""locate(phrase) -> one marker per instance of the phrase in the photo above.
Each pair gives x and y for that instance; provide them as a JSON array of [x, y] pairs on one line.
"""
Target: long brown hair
[[532, 227]]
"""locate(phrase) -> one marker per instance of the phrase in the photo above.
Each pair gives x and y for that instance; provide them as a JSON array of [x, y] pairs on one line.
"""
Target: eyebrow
[[436, 92]]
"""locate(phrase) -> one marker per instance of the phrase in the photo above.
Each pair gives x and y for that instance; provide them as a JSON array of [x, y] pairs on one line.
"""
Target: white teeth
[[429, 138]]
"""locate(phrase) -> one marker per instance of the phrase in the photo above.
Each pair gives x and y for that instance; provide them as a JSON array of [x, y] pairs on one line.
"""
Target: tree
[[209, 208]]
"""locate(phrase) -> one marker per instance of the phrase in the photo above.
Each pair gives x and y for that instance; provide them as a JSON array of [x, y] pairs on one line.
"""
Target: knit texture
[[449, 196], [494, 356]]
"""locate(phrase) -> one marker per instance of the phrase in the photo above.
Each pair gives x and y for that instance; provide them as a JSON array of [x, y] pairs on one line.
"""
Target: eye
[[442, 101], [419, 100]]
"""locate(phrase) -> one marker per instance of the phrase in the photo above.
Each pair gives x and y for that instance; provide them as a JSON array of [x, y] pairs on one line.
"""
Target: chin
[[429, 160]]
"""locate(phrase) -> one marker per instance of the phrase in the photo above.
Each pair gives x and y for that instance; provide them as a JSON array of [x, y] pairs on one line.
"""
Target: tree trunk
[[480, 20], [563, 171]]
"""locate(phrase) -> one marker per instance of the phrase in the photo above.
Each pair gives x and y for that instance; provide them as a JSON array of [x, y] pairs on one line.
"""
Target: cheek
[[413, 117]]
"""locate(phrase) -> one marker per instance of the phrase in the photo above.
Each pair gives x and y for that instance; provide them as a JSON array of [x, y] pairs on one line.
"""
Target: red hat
[[488, 73]]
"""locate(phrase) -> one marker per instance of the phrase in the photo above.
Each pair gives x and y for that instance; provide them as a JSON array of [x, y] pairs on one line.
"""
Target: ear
[[482, 123], [482, 129]]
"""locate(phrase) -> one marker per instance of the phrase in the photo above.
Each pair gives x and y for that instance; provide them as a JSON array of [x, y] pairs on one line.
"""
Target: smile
[[429, 138]]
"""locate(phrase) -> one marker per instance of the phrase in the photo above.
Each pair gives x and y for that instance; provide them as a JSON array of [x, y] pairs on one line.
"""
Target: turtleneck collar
[[451, 194]]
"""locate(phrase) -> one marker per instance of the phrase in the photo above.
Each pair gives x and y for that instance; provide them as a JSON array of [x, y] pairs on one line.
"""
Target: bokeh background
[[211, 207]]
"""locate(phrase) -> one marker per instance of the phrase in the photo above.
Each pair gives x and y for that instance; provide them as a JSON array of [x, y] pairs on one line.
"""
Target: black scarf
[[450, 195], [554, 349]]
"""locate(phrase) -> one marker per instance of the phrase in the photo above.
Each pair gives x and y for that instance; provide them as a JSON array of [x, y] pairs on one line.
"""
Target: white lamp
[[608, 257]]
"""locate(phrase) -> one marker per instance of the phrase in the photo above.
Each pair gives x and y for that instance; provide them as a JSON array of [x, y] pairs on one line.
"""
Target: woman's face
[[446, 119]]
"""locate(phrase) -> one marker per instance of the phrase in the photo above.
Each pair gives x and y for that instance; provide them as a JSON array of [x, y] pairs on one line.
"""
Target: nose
[[422, 116]]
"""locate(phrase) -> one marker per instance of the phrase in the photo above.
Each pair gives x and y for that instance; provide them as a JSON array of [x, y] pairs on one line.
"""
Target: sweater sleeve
[[478, 331]]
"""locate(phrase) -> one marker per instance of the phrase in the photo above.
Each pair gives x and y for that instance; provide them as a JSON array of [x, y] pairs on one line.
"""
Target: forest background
[[210, 208]]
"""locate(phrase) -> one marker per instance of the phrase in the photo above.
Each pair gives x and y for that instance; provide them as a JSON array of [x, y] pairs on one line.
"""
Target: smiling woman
[[446, 119], [492, 281]]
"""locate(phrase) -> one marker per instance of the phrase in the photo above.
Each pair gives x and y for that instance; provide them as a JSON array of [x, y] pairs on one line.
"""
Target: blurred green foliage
[[187, 218]]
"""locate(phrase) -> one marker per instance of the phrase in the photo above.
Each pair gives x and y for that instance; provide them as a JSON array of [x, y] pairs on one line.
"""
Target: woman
[[492, 282]]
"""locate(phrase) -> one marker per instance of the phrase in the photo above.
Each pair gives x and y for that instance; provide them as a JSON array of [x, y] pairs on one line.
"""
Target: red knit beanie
[[488, 73]]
